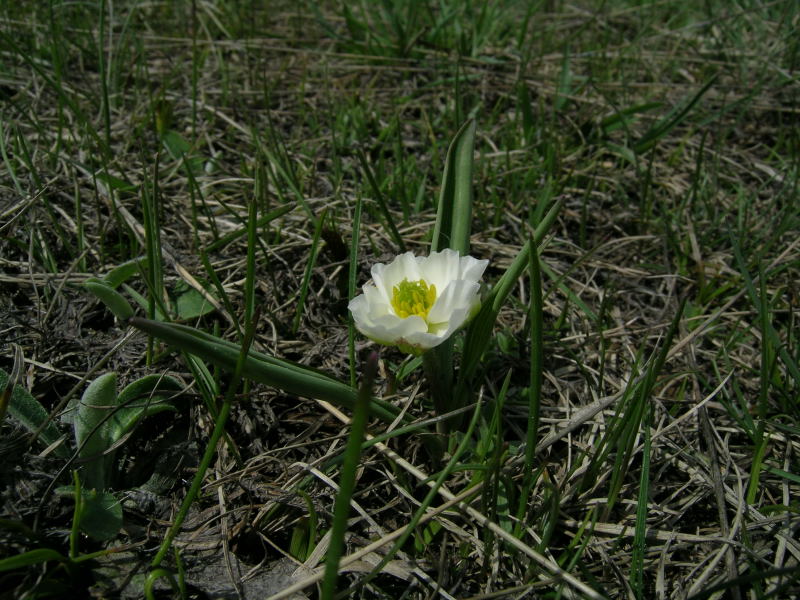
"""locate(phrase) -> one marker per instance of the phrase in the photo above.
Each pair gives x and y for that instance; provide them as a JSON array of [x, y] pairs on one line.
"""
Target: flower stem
[[438, 365]]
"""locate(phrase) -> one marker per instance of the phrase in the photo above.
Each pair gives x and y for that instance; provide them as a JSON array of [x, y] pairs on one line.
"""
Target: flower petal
[[458, 295], [440, 268], [386, 277], [472, 269], [391, 329], [377, 322]]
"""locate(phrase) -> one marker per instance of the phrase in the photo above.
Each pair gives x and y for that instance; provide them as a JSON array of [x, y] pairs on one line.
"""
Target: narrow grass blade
[[33, 557], [480, 329], [235, 235], [250, 269], [211, 448], [630, 423], [639, 538], [537, 361], [466, 441], [351, 287], [379, 198], [768, 329], [671, 120], [312, 261], [347, 480]]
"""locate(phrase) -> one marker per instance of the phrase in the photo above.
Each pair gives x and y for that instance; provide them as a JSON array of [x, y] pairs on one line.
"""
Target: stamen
[[413, 298]]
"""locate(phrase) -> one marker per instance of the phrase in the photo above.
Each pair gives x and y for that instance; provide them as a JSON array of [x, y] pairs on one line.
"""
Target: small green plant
[[101, 419]]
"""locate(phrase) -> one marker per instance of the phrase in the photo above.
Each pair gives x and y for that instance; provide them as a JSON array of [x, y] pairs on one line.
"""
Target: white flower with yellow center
[[417, 302]]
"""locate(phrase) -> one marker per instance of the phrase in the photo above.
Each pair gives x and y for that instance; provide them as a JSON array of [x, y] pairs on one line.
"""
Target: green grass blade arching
[[639, 405], [237, 233], [536, 377], [211, 448], [480, 329], [381, 200], [452, 463], [671, 120]]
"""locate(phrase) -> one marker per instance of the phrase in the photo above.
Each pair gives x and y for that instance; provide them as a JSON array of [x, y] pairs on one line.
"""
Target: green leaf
[[115, 183], [91, 428], [100, 512], [142, 398], [189, 303], [34, 557], [31, 414], [142, 301], [179, 149], [287, 376], [125, 271], [454, 214], [101, 515], [115, 302]]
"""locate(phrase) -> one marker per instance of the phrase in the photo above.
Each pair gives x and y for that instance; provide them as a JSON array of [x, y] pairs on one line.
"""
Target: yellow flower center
[[413, 298]]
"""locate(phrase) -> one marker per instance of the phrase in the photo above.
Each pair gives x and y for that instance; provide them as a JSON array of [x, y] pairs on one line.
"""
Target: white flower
[[417, 302]]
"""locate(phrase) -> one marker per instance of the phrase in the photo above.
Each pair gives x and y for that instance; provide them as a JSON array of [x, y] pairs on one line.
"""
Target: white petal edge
[[472, 269]]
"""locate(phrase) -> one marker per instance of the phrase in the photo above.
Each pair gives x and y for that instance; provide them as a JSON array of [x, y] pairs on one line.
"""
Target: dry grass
[[278, 110]]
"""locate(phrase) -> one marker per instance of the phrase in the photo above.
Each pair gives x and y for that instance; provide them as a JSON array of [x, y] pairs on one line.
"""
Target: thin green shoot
[[347, 478], [640, 536], [211, 448], [465, 442], [352, 276], [388, 219], [312, 261]]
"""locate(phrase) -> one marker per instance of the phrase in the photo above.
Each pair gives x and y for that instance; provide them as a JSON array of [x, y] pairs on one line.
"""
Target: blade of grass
[[312, 261], [671, 120], [631, 421], [351, 287], [211, 448], [466, 440], [154, 274], [289, 377], [381, 200], [640, 535], [347, 479], [480, 329], [535, 317], [236, 234]]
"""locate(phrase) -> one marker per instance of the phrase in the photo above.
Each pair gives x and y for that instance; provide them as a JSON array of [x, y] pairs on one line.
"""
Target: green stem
[[439, 372], [347, 480], [211, 448]]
